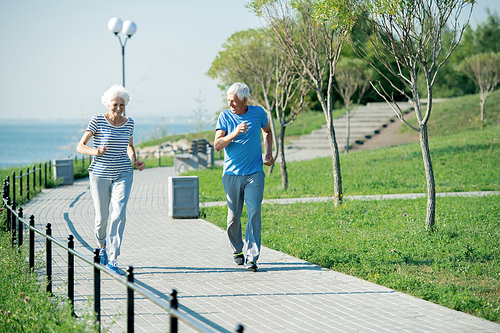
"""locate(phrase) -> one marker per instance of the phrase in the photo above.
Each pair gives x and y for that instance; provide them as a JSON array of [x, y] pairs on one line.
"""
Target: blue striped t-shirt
[[115, 161]]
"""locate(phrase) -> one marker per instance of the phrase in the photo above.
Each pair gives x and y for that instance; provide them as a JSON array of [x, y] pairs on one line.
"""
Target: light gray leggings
[[115, 192], [249, 190]]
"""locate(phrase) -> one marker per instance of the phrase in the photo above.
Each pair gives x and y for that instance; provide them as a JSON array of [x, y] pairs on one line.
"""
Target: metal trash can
[[63, 168], [183, 197]]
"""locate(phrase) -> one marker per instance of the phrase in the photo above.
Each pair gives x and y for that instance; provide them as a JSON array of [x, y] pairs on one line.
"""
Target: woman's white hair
[[114, 92], [239, 89]]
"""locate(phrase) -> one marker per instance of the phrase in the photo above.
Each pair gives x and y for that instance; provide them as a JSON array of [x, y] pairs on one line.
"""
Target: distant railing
[[15, 223], [24, 189]]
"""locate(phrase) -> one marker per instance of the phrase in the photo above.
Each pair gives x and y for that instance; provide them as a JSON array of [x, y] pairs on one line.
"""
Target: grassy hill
[[461, 114]]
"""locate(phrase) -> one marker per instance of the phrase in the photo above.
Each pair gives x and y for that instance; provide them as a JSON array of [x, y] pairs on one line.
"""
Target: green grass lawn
[[460, 114]]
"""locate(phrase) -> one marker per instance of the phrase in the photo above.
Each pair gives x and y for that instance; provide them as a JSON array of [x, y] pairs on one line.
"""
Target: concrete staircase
[[365, 122]]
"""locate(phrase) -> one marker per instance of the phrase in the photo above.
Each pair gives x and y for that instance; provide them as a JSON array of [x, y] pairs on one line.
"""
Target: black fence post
[[21, 183], [130, 300], [48, 258], [13, 223], [34, 177], [173, 305], [6, 187], [45, 181], [27, 183], [71, 273], [9, 214], [40, 175], [13, 185], [239, 328], [19, 227], [32, 243], [97, 290]]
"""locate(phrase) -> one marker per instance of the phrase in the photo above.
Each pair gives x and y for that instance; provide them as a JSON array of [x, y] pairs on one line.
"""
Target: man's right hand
[[241, 128]]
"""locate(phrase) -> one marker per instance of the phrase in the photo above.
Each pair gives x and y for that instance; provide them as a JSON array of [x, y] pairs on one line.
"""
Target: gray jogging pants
[[249, 190]]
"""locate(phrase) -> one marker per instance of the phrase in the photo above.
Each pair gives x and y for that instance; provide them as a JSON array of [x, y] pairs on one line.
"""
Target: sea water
[[29, 142]]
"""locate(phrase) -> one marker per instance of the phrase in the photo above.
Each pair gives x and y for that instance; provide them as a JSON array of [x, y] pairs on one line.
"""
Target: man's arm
[[268, 143], [222, 140]]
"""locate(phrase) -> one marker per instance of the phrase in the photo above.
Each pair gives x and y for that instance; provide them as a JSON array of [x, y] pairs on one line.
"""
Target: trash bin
[[183, 197], [63, 168]]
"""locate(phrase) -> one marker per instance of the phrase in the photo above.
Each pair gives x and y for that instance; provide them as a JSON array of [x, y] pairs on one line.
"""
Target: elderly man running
[[238, 133]]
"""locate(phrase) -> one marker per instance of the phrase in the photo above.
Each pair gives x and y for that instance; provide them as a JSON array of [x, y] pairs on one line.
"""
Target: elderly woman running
[[111, 172]]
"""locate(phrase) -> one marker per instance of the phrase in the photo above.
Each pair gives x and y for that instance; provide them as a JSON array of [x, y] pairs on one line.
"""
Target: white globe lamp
[[129, 28], [115, 25]]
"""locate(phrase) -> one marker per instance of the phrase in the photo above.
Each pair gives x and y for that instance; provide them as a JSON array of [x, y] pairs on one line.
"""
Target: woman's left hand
[[139, 165]]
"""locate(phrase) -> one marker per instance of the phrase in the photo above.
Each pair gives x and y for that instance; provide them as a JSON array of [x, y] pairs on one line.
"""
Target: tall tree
[[484, 70], [409, 35], [314, 49]]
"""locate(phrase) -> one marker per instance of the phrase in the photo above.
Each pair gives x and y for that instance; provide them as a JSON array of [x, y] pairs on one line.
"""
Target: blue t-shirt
[[243, 156], [115, 161]]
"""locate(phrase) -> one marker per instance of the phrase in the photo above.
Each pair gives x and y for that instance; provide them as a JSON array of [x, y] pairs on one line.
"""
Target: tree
[[484, 70], [351, 75], [313, 49], [487, 34], [406, 37], [200, 120], [290, 93]]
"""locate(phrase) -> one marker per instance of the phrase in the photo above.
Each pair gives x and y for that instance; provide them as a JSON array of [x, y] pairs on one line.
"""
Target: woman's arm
[[139, 165], [82, 147]]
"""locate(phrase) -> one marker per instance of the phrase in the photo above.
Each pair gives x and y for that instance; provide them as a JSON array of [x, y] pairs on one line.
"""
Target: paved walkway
[[193, 256]]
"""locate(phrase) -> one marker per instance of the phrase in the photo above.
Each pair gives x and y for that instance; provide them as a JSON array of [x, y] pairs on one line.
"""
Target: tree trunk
[[337, 178], [348, 131], [284, 172], [429, 175], [482, 103]]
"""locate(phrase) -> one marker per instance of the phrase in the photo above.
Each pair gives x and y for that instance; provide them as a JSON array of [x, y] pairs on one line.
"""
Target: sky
[[57, 57]]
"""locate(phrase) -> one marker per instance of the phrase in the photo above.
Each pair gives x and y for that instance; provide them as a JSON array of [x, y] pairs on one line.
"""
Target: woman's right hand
[[101, 150]]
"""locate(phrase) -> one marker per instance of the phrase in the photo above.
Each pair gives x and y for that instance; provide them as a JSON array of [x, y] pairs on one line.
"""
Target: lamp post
[[128, 28]]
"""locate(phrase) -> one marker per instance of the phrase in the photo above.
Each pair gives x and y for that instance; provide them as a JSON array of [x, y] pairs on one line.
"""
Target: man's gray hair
[[239, 89], [114, 92]]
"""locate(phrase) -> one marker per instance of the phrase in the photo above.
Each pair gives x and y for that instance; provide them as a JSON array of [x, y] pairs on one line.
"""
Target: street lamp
[[128, 28]]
